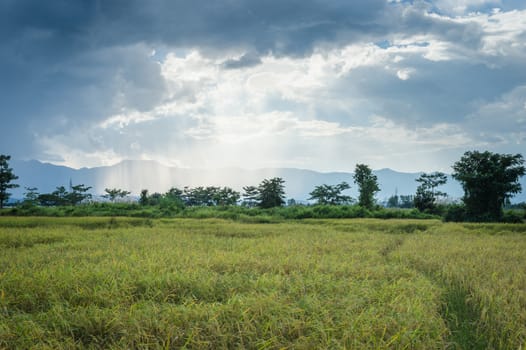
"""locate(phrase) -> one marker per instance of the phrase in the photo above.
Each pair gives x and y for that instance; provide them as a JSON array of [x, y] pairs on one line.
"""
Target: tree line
[[488, 179]]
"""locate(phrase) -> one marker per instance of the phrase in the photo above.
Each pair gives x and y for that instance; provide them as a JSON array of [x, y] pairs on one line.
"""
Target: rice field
[[121, 283]]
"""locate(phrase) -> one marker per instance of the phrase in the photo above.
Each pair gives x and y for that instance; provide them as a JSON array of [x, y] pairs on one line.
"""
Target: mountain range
[[135, 175]]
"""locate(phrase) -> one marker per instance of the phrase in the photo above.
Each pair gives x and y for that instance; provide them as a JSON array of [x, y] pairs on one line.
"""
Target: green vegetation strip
[[68, 283]]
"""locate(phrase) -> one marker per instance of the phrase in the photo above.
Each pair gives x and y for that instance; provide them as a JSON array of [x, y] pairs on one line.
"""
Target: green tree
[[406, 201], [57, 197], [271, 193], [250, 196], [30, 196], [200, 196], [489, 180], [113, 193], [174, 194], [6, 178], [62, 197], [426, 193], [330, 194], [226, 196], [47, 199], [209, 196], [155, 198], [393, 201], [143, 199], [78, 194], [367, 185], [172, 201]]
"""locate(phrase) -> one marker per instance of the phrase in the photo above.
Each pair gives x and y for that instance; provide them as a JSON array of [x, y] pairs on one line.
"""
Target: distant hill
[[135, 175]]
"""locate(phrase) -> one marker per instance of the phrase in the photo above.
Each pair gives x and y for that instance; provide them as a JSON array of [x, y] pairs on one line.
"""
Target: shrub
[[512, 217], [455, 213]]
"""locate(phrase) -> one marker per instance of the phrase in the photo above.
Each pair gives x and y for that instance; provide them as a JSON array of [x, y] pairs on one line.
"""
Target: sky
[[312, 84]]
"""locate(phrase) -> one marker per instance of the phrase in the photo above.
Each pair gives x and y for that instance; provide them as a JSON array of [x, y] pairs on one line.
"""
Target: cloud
[[502, 121], [214, 117], [246, 60], [459, 7], [279, 26], [404, 74], [288, 83]]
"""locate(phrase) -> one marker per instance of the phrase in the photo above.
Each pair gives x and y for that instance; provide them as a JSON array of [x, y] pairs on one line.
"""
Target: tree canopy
[[271, 193], [210, 196], [367, 185], [331, 194], [113, 193], [250, 196], [6, 178], [426, 193], [489, 180], [61, 196]]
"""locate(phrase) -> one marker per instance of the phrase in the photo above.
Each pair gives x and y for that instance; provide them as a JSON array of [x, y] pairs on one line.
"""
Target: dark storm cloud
[[280, 26], [71, 62]]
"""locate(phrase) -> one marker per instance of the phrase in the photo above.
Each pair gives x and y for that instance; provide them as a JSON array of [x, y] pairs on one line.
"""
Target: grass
[[482, 269], [68, 283]]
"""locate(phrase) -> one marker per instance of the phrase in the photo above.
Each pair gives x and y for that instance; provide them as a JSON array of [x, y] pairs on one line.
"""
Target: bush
[[455, 213], [297, 212], [173, 209], [513, 217]]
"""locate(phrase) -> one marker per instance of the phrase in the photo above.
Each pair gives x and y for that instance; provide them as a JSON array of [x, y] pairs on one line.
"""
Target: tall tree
[[250, 196], [78, 194], [367, 185], [426, 193], [489, 180], [6, 177], [271, 193], [331, 194]]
